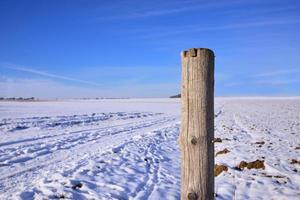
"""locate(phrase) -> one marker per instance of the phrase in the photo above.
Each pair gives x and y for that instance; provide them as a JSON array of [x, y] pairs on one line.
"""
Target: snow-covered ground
[[127, 149]]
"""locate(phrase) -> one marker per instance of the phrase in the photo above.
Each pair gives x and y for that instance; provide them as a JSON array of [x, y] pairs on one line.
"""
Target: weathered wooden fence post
[[197, 124]]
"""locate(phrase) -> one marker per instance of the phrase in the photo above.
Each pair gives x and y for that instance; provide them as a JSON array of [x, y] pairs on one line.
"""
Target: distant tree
[[176, 96]]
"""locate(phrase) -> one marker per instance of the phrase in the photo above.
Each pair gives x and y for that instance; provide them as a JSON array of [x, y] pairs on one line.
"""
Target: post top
[[194, 52]]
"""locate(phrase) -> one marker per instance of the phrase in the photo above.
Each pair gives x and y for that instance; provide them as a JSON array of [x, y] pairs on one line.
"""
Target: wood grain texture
[[197, 124]]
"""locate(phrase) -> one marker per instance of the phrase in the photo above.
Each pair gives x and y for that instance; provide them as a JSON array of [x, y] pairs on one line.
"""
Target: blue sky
[[131, 48]]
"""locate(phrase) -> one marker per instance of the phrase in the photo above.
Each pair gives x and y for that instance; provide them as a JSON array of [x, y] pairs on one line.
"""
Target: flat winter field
[[127, 149]]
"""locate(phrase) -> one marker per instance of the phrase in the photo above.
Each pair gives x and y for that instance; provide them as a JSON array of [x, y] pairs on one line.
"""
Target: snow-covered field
[[127, 149]]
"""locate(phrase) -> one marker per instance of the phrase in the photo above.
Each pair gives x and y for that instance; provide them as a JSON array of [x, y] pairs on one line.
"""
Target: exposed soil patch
[[262, 142], [217, 140], [224, 151], [219, 169], [59, 196], [271, 176], [77, 186], [294, 161], [257, 164]]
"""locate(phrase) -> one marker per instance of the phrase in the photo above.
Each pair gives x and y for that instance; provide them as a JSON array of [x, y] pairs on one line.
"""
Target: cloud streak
[[272, 78], [49, 89], [45, 74], [192, 5], [278, 81], [277, 73], [233, 26]]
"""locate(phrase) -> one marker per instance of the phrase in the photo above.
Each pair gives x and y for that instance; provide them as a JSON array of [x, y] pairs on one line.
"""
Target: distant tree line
[[17, 99], [176, 96]]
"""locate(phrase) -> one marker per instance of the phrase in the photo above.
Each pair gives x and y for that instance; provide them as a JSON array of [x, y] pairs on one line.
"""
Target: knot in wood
[[192, 196], [194, 141]]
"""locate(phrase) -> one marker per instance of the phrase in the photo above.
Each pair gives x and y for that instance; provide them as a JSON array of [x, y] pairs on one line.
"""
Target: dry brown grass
[[219, 169], [224, 151], [257, 164], [217, 140], [294, 161]]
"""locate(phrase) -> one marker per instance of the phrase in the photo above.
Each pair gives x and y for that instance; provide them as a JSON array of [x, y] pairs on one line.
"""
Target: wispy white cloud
[[232, 26], [44, 89], [277, 73], [183, 6], [265, 82], [264, 10], [45, 74], [280, 81], [49, 89], [234, 84], [116, 82], [271, 78]]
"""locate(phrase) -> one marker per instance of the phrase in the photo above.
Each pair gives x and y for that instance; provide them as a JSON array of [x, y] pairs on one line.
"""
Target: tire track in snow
[[140, 157], [67, 141], [53, 158], [59, 128]]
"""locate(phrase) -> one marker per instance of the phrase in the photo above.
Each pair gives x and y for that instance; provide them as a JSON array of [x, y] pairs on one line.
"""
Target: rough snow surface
[[127, 149]]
